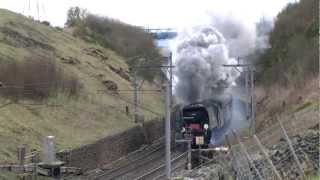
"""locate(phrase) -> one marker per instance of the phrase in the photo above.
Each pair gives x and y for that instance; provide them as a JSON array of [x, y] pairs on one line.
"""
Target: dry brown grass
[[36, 77], [276, 100]]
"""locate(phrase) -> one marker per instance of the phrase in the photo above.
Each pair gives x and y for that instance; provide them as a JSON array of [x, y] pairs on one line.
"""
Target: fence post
[[247, 155], [267, 157], [291, 147]]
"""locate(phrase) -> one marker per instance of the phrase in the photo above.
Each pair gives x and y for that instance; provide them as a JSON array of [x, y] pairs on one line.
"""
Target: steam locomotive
[[204, 123]]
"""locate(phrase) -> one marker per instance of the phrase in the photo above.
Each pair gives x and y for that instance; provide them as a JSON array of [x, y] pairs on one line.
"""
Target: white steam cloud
[[201, 52]]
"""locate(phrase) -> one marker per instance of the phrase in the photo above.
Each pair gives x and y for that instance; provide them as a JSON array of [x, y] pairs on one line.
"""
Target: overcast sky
[[149, 13]]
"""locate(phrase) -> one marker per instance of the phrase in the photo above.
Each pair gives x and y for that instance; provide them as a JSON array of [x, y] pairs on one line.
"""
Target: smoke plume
[[201, 53]]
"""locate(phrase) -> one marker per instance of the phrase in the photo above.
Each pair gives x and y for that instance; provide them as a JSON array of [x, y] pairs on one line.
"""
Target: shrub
[[47, 23], [75, 15], [36, 77], [127, 40], [293, 55]]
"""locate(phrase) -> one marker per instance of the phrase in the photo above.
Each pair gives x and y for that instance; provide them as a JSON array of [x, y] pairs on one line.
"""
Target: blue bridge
[[163, 34]]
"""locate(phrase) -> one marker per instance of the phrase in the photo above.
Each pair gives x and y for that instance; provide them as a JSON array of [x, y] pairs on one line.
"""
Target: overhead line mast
[[249, 86], [37, 6]]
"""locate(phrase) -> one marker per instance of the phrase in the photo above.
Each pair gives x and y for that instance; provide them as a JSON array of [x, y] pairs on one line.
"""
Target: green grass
[[7, 176], [303, 106], [74, 121], [310, 104], [313, 177], [4, 175]]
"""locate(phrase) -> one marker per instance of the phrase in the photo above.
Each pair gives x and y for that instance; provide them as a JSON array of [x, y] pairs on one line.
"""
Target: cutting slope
[[90, 115]]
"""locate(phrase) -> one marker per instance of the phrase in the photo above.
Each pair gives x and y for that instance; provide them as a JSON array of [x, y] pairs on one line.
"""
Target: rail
[[129, 160], [153, 171]]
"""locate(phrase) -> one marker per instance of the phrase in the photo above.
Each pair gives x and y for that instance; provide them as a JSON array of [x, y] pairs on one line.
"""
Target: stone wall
[[153, 130], [111, 148]]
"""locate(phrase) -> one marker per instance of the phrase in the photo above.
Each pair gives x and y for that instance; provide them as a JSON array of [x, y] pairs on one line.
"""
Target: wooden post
[[247, 155], [267, 157], [291, 148]]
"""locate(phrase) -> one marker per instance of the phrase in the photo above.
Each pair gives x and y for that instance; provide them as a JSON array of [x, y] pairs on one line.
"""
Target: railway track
[[145, 163], [125, 164], [177, 163]]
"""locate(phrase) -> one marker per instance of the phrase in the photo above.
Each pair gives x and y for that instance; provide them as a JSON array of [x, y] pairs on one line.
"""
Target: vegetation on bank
[[75, 88], [131, 42], [36, 77], [294, 49]]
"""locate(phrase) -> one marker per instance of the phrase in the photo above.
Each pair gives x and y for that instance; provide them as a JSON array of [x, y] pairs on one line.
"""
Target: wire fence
[[285, 150]]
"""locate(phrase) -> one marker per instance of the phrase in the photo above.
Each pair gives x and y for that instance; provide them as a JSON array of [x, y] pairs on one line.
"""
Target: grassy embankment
[[77, 119]]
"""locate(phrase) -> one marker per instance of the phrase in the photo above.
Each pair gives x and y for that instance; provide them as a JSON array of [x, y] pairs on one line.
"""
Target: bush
[[47, 23], [35, 78], [293, 56], [127, 40]]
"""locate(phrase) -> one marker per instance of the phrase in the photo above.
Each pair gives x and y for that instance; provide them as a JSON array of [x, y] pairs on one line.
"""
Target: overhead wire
[[38, 11], [29, 7], [5, 104], [24, 6], [44, 12], [130, 102]]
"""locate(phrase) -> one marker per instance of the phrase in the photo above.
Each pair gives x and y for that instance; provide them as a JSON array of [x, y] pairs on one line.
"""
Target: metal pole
[[168, 119], [291, 148], [171, 95], [167, 133], [135, 95], [253, 126], [171, 79], [246, 75], [267, 157], [189, 166]]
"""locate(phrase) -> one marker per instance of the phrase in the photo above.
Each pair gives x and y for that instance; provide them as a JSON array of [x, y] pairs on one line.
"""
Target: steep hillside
[[288, 71], [276, 101], [128, 40], [91, 114], [294, 46]]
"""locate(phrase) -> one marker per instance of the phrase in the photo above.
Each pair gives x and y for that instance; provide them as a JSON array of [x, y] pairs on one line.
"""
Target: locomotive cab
[[196, 124]]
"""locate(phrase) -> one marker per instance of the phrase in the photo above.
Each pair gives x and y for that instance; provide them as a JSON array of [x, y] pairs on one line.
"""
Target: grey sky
[[148, 13]]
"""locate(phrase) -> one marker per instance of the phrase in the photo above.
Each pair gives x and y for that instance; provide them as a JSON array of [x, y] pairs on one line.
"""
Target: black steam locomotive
[[204, 123]]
